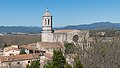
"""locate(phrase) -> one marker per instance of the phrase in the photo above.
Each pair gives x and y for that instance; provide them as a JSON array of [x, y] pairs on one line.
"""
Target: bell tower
[[47, 22], [47, 31]]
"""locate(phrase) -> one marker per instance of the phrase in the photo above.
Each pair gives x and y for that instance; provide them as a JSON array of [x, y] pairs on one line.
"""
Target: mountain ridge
[[97, 25], [35, 29]]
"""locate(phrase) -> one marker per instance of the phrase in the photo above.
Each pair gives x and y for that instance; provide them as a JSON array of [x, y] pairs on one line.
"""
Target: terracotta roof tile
[[48, 55], [50, 44], [10, 48], [63, 31], [30, 47], [32, 44], [19, 57]]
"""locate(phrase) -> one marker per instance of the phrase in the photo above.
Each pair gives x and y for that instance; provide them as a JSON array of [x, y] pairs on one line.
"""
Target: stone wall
[[47, 37], [69, 37]]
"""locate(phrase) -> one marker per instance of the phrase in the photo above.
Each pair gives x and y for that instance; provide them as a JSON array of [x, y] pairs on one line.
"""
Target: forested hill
[[99, 25]]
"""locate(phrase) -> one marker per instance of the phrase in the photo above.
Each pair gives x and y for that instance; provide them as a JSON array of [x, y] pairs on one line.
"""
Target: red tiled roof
[[19, 57], [30, 47], [32, 44], [48, 55], [63, 31], [50, 44], [6, 49]]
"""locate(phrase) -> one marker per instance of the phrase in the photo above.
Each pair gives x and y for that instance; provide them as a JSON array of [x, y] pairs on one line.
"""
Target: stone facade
[[47, 22], [48, 35], [17, 61], [11, 50]]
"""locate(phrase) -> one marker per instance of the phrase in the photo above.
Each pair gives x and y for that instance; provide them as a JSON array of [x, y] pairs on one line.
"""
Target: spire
[[47, 10], [47, 13]]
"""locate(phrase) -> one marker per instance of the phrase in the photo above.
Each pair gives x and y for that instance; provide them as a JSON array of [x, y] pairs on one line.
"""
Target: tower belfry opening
[[47, 22]]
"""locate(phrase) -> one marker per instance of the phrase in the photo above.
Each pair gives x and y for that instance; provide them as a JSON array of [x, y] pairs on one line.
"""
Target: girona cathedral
[[63, 36]]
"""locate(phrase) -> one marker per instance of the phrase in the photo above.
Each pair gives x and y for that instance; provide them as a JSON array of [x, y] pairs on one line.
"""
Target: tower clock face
[[75, 38]]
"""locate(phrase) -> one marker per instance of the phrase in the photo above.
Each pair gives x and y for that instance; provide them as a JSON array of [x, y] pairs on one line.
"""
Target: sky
[[65, 12]]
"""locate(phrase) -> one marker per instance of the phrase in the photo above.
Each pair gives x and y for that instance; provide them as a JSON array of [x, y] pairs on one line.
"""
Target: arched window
[[75, 38], [45, 21], [48, 21]]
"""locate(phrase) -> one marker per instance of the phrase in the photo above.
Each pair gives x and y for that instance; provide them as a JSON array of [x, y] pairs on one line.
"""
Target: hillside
[[99, 25], [19, 39]]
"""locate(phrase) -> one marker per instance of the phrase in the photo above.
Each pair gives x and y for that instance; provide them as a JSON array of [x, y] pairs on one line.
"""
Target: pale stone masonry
[[50, 35], [11, 50], [17, 61]]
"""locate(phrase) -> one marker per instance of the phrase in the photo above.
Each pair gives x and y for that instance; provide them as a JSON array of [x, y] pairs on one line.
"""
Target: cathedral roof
[[63, 31], [47, 13]]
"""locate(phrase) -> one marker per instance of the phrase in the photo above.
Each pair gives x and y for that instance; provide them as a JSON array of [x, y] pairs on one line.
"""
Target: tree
[[58, 59], [6, 45], [22, 51], [27, 66], [69, 48], [78, 63], [34, 64], [68, 65], [49, 64]]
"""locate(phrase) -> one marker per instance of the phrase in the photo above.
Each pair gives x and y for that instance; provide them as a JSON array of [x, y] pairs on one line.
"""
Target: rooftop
[[19, 57], [63, 31], [6, 49], [30, 47], [48, 56], [50, 44], [47, 13]]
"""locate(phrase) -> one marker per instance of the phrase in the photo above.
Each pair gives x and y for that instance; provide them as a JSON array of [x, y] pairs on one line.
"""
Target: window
[[48, 21], [45, 21], [75, 38], [28, 61], [18, 62]]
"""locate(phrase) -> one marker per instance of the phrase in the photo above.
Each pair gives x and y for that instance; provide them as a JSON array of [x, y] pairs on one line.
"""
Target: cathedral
[[63, 36]]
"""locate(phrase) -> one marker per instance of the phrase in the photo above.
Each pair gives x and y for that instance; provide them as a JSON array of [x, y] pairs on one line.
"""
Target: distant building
[[17, 61], [11, 50], [30, 48], [50, 35], [48, 47]]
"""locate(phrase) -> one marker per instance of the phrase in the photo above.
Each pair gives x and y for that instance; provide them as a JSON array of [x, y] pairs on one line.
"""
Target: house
[[17, 61], [11, 50], [30, 48], [44, 58], [48, 47], [42, 47]]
